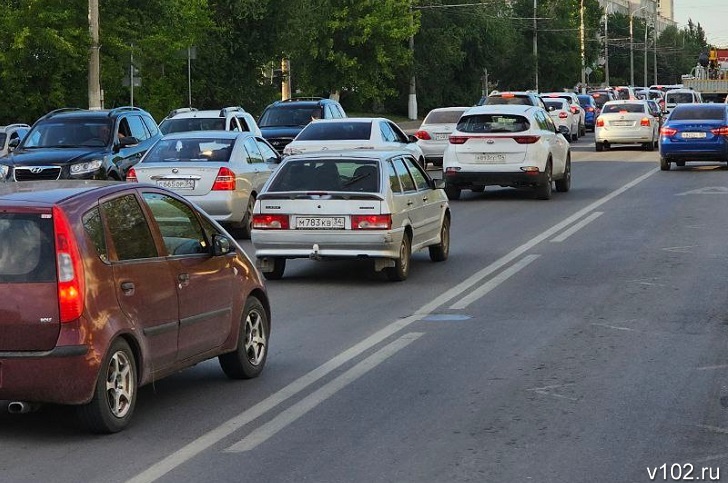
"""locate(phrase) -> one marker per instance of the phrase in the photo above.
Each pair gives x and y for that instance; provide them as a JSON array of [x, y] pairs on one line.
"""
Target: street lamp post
[[631, 45]]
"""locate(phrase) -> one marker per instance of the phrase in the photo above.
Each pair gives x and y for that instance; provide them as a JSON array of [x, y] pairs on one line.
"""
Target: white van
[[681, 96]]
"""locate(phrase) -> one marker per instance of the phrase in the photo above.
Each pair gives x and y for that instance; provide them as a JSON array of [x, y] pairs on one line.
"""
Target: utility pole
[[131, 76], [535, 41], [285, 79], [412, 100], [645, 79], [606, 45], [94, 62], [654, 47], [581, 38]]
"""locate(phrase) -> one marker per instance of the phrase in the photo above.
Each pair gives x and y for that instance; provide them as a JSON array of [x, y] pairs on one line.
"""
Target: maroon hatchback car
[[109, 286]]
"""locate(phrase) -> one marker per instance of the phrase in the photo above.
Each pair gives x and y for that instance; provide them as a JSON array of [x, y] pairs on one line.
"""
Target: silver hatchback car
[[350, 204], [221, 171]]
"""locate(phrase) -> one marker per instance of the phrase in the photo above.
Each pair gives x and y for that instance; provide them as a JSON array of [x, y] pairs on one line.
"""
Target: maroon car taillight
[[371, 222], [71, 287], [271, 222]]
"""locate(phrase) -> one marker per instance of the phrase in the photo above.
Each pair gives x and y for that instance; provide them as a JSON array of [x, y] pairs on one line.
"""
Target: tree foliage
[[359, 49]]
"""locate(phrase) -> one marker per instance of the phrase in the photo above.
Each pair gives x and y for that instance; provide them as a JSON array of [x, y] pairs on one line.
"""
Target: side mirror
[[13, 143], [220, 245], [437, 184], [126, 142], [412, 138]]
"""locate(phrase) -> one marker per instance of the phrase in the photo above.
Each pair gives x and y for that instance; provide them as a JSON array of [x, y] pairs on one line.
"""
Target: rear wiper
[[355, 179]]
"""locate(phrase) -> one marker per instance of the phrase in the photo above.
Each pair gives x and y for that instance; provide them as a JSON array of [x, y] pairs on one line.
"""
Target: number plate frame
[[693, 135], [176, 184], [320, 222], [490, 158]]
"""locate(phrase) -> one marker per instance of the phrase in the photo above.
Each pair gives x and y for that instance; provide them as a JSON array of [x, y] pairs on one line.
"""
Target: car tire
[[115, 394], [574, 137], [564, 184], [452, 192], [543, 191], [279, 266], [248, 359], [400, 270], [582, 130], [245, 226], [599, 147], [664, 164], [477, 189], [649, 146], [680, 163], [440, 252]]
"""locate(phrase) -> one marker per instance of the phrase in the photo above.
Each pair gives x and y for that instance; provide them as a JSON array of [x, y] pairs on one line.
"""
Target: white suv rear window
[[493, 123]]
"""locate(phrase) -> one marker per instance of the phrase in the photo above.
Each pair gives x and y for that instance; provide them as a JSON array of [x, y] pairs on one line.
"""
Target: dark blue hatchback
[[591, 110], [694, 132]]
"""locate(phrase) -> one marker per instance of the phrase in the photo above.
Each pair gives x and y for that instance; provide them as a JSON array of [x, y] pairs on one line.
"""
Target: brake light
[[563, 115], [574, 109], [645, 122], [131, 176], [271, 222], [720, 131], [225, 180], [526, 139], [668, 131], [590, 109], [623, 111], [458, 139], [424, 135], [508, 95], [600, 122], [70, 269], [371, 222]]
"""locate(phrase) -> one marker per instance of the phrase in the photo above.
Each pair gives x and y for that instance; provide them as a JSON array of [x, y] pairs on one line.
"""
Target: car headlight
[[4, 170], [85, 167]]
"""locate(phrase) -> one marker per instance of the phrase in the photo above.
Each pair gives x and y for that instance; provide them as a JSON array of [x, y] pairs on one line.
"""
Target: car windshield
[[289, 115], [585, 101], [329, 131], [192, 124], [190, 149], [443, 117], [699, 112], [679, 97], [623, 108], [26, 248], [327, 175], [508, 99], [493, 123], [68, 133]]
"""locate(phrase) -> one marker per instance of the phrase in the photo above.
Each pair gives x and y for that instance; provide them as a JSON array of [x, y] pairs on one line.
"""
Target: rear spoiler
[[313, 195]]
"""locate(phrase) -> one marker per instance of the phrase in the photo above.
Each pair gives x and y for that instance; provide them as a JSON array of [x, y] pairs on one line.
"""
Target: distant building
[[657, 12]]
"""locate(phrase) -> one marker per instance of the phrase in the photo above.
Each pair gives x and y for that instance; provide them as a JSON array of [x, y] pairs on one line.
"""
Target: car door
[[555, 143], [261, 170], [204, 282], [410, 201], [431, 206], [143, 280], [128, 156]]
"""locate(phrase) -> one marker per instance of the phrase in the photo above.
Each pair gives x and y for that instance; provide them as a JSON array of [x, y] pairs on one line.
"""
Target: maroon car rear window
[[27, 253]]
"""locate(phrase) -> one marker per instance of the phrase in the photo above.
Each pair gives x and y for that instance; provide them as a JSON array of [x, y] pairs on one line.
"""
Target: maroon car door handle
[[127, 288]]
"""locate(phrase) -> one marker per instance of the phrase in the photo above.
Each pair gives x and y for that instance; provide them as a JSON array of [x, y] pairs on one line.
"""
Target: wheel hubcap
[[255, 338], [119, 384]]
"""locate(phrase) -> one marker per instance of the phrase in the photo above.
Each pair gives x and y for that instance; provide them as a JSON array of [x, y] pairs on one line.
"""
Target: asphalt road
[[580, 339]]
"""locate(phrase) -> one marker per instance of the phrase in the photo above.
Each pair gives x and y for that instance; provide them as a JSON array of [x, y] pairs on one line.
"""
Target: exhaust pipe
[[21, 407]]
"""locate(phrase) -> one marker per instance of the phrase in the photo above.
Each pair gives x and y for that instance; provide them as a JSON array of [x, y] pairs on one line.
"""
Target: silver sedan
[[379, 204], [221, 171]]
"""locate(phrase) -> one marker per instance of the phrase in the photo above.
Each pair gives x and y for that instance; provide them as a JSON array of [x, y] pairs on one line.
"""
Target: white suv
[[226, 119]]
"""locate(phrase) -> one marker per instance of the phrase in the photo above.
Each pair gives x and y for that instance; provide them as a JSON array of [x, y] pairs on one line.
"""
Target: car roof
[[358, 154], [680, 91], [348, 120], [625, 101], [52, 192], [208, 134], [452, 108], [73, 113], [500, 108]]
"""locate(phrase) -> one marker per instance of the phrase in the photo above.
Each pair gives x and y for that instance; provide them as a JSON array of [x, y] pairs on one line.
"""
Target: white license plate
[[693, 135], [177, 184], [621, 123], [320, 223], [491, 158], [440, 136]]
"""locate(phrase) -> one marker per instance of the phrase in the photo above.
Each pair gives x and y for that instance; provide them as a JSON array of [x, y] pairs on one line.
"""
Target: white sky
[[711, 14]]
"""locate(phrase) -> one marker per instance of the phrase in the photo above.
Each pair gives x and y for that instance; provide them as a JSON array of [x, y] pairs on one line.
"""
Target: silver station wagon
[[220, 171], [350, 204]]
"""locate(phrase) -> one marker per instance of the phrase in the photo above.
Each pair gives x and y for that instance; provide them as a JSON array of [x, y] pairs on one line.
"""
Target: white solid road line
[[216, 435], [578, 226], [308, 403], [494, 282]]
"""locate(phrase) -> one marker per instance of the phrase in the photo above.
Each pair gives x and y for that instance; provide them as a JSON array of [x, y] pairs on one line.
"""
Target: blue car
[[591, 110], [694, 132]]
